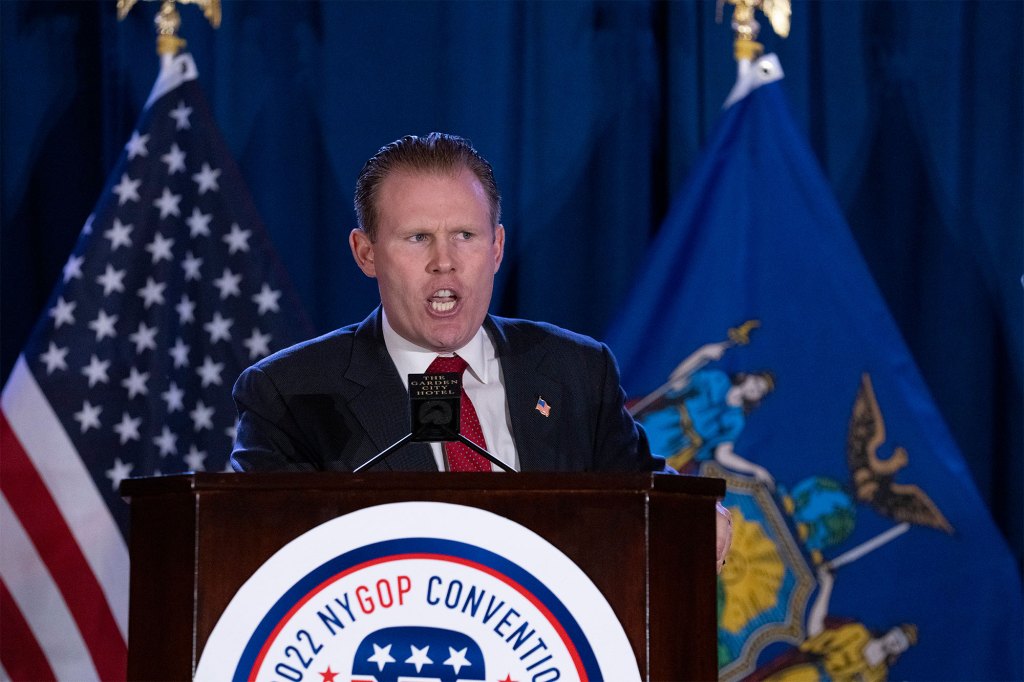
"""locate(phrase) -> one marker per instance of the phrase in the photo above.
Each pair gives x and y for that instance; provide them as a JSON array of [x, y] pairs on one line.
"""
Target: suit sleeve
[[266, 438], [620, 443]]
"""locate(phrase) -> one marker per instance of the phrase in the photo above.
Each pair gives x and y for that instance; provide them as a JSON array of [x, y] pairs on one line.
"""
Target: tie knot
[[443, 364]]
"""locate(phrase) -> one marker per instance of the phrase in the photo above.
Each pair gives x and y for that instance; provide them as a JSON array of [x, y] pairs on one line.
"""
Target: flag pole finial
[[746, 27], [168, 21]]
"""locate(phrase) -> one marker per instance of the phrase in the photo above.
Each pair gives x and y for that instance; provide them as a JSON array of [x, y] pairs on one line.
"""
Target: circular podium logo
[[418, 591]]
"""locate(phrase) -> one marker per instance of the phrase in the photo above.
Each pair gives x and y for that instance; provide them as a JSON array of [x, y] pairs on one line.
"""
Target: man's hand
[[723, 535]]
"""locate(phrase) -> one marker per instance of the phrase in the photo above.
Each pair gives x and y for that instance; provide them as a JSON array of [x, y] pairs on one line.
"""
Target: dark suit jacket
[[333, 402]]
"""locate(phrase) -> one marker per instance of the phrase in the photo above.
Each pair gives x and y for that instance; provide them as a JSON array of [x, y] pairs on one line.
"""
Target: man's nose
[[442, 257]]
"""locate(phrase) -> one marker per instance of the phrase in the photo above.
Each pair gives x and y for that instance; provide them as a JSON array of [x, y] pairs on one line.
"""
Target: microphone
[[435, 407]]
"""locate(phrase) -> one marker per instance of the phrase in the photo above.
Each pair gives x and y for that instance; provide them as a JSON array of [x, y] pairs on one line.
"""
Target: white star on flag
[[258, 344], [160, 248], [112, 280], [144, 338], [137, 145], [206, 178], [55, 358], [210, 371], [168, 203], [266, 300], [167, 442], [119, 235], [237, 239], [128, 428], [198, 223], [219, 328], [119, 472], [73, 268], [63, 312], [202, 417], [174, 397], [179, 353], [89, 416], [135, 382], [127, 190], [96, 370], [228, 284], [103, 325], [194, 458], [152, 293], [186, 310], [191, 266], [180, 115], [175, 160]]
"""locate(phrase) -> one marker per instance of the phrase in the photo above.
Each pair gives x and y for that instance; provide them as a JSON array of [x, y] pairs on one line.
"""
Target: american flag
[[171, 290]]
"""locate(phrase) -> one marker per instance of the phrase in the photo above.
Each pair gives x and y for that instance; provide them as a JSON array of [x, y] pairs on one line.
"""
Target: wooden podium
[[646, 541]]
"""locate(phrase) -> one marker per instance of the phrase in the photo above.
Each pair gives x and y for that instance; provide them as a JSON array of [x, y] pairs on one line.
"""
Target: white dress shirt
[[482, 382]]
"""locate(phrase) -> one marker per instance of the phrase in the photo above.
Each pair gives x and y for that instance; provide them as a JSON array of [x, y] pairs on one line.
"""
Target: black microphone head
[[435, 402]]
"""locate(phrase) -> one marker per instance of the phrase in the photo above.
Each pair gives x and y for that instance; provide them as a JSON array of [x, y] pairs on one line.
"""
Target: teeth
[[442, 306], [443, 293]]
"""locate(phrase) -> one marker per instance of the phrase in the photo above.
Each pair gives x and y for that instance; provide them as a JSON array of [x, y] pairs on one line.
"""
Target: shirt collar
[[412, 359]]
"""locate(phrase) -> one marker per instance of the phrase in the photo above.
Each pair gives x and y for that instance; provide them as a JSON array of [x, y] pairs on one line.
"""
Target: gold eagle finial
[[746, 28], [168, 21]]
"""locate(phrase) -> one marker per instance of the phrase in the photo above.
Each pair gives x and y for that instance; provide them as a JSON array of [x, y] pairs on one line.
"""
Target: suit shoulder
[[319, 351], [530, 332]]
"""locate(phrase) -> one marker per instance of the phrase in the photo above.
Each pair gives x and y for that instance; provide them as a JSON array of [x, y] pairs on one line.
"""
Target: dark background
[[592, 113]]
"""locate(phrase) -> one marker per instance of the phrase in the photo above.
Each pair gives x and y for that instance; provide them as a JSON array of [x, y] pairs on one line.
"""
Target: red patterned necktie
[[461, 457]]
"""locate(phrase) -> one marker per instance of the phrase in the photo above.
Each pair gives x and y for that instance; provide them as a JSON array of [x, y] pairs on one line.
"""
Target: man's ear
[[499, 245], [362, 251]]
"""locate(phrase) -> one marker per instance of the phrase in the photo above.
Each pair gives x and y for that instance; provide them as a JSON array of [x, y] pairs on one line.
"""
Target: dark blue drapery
[[591, 113]]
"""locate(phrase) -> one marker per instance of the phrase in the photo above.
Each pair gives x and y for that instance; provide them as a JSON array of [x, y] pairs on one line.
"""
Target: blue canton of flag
[[760, 350], [409, 653], [171, 290]]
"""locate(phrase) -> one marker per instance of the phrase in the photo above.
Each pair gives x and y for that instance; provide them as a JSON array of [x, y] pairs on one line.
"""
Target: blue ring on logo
[[451, 548]]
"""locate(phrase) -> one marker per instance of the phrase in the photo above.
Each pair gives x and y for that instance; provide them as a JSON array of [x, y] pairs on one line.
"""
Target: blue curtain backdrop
[[592, 113]]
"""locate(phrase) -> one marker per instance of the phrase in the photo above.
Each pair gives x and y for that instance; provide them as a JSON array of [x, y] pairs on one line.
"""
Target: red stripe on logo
[[34, 506], [19, 651]]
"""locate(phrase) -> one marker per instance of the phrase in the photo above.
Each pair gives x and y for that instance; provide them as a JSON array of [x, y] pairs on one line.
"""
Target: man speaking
[[537, 397]]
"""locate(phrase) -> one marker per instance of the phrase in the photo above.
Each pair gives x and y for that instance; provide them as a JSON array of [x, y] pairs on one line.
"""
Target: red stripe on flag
[[19, 651], [31, 501]]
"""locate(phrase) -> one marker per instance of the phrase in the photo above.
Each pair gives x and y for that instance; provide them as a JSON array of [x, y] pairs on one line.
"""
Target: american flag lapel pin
[[543, 407]]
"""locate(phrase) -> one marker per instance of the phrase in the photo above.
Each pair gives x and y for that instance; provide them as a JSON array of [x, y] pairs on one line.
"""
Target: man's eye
[[418, 238], [465, 235]]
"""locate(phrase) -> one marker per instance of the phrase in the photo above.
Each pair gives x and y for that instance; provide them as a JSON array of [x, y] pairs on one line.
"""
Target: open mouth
[[443, 301]]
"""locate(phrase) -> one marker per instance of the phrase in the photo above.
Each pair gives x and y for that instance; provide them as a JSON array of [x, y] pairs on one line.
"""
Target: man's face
[[434, 257]]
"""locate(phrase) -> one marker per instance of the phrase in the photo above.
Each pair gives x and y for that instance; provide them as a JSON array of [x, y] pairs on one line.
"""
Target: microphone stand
[[386, 452]]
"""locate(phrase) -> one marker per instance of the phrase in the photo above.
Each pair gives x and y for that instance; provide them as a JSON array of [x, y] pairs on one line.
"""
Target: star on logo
[[119, 235], [328, 675], [63, 312], [127, 190], [137, 145], [175, 160], [457, 659], [89, 417], [180, 115], [168, 203], [381, 656], [128, 429], [96, 370], [419, 658], [206, 178], [119, 472], [112, 280], [210, 371], [228, 284], [237, 239]]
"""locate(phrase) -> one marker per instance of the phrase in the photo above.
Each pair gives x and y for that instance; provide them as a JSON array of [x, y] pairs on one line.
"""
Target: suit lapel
[[382, 404], [535, 436]]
